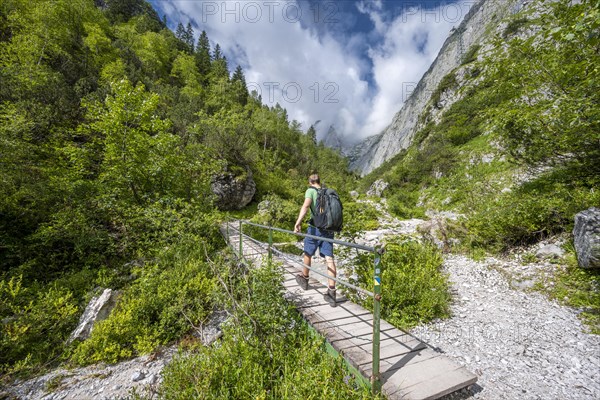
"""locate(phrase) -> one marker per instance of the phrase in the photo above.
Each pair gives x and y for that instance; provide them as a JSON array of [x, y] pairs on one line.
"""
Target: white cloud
[[409, 46], [325, 76]]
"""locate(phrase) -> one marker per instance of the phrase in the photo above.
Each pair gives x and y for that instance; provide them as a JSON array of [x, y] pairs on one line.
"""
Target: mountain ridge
[[375, 150]]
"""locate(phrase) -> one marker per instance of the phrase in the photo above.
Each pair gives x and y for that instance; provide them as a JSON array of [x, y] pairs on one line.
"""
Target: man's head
[[314, 179]]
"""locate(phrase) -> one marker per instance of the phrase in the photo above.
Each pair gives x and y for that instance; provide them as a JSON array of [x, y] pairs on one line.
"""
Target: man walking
[[311, 245]]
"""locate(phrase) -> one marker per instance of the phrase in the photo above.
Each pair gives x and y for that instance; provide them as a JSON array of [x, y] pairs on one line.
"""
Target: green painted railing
[[375, 294]]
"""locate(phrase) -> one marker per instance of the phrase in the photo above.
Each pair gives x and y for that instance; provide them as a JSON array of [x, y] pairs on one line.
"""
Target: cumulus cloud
[[306, 57]]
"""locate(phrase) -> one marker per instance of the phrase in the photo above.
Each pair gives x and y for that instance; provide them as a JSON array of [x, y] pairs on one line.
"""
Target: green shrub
[[580, 288], [267, 350], [543, 207], [514, 27], [414, 289], [36, 321], [448, 82], [165, 299], [470, 55], [279, 212], [403, 204], [359, 217]]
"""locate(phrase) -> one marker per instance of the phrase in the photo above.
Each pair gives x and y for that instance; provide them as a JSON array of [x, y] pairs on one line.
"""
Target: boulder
[[549, 251], [98, 309], [586, 237], [354, 194], [233, 191], [264, 207], [377, 188], [436, 231]]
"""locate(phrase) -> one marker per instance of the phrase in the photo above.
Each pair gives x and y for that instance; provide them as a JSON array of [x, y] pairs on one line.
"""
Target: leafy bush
[[448, 82], [534, 211], [359, 217], [552, 117], [267, 351], [514, 26], [36, 322], [470, 55], [414, 289], [159, 307], [403, 203], [580, 288], [278, 212]]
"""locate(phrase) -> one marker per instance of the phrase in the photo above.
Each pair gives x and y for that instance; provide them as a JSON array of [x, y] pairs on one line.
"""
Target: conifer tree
[[239, 81], [203, 54], [123, 10], [180, 31], [189, 37], [312, 134], [219, 67], [217, 54]]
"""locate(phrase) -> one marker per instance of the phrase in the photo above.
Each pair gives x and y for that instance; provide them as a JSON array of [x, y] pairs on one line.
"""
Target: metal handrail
[[347, 244], [341, 282], [376, 294]]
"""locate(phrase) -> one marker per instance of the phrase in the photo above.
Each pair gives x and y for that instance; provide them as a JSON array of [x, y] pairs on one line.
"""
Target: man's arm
[[303, 211]]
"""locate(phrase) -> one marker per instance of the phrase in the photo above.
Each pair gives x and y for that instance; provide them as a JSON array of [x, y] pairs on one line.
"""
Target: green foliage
[[403, 204], [359, 217], [579, 288], [514, 26], [36, 323], [470, 55], [553, 118], [111, 130], [267, 351], [165, 300], [533, 104], [414, 289], [448, 82], [278, 212], [536, 210]]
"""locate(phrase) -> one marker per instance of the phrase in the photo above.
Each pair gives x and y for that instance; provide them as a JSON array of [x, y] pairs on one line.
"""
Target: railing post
[[241, 246], [376, 378], [270, 244]]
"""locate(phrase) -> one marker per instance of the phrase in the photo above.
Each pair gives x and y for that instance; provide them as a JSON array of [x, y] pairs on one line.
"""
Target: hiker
[[311, 245]]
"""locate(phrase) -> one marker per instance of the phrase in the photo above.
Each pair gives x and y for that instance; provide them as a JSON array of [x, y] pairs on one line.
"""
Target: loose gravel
[[520, 344]]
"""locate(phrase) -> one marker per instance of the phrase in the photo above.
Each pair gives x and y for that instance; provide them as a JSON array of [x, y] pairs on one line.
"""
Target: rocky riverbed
[[520, 344]]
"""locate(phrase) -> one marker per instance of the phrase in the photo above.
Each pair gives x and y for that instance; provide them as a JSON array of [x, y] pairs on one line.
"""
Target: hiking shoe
[[329, 297], [302, 281]]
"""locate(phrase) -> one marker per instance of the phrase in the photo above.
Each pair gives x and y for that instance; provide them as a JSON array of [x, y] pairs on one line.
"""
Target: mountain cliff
[[479, 23]]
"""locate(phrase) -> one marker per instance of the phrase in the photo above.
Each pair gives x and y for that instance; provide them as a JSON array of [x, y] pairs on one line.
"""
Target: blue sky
[[350, 64]]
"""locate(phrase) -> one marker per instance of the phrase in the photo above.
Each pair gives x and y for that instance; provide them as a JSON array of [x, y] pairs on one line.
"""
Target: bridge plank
[[409, 368]]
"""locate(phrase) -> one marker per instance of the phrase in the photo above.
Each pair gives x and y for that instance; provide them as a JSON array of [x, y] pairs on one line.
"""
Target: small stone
[[138, 376], [116, 387]]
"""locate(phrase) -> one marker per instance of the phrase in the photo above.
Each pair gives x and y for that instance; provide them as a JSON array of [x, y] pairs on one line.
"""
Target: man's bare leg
[[307, 262], [302, 278], [330, 295], [331, 271]]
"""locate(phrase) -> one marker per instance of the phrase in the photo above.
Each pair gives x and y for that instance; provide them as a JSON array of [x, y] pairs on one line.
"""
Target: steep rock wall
[[481, 19]]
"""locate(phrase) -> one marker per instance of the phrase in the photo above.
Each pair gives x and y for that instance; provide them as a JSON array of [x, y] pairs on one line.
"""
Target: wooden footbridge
[[396, 363]]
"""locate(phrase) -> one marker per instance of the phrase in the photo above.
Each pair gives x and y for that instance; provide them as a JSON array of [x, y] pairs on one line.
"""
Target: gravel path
[[520, 344]]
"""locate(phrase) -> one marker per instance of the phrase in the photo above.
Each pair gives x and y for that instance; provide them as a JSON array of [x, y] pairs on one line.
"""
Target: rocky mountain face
[[333, 140], [479, 23]]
